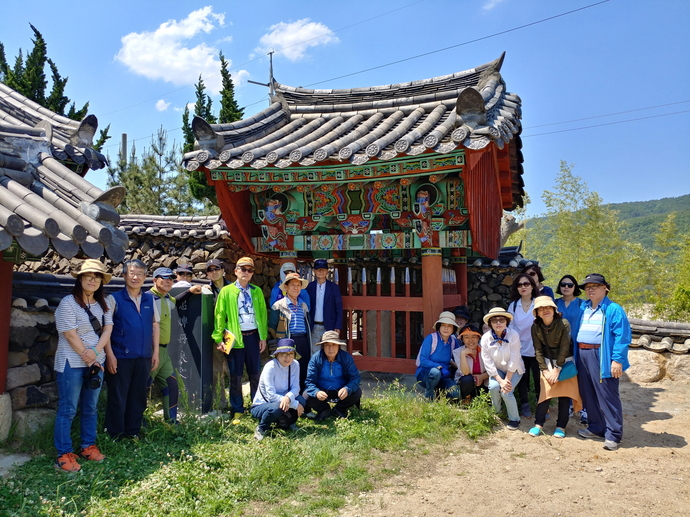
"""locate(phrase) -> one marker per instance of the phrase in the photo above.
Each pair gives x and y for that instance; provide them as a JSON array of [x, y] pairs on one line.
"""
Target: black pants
[[468, 388], [531, 366], [304, 350], [127, 396], [353, 399], [250, 357], [563, 412]]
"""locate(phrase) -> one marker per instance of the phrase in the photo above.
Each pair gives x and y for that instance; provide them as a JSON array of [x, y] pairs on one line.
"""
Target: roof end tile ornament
[[206, 137], [83, 135]]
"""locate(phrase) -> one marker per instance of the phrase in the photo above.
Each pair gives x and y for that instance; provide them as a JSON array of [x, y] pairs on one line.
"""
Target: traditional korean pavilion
[[393, 175]]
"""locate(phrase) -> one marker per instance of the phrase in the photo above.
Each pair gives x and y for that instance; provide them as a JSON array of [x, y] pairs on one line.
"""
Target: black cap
[[595, 278]]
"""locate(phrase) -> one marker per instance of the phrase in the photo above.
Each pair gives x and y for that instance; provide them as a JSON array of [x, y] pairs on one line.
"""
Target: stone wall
[[487, 288]]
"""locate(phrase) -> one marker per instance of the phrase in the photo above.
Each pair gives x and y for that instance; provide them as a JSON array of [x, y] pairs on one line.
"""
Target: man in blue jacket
[[326, 304], [332, 377], [602, 357]]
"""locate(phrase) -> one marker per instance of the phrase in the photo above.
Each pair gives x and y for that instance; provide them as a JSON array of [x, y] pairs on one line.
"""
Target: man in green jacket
[[241, 309]]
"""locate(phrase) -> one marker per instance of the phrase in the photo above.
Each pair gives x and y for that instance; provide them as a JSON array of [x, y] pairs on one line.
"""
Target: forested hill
[[643, 218]]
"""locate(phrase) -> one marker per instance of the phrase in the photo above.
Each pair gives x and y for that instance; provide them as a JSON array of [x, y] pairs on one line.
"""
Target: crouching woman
[[277, 400], [501, 355]]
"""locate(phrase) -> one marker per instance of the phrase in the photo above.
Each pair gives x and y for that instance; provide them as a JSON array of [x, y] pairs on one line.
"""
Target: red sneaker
[[68, 463], [92, 453]]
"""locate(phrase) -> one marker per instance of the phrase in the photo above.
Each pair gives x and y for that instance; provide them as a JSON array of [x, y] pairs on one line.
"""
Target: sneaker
[[92, 453], [339, 413], [311, 415], [323, 415], [583, 417], [293, 427], [236, 418], [610, 445], [535, 431], [525, 410], [513, 425], [259, 434], [586, 433], [559, 433], [68, 463]]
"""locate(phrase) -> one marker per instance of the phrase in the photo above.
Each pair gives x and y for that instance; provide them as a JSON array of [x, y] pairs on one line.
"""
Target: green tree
[[582, 235], [28, 78], [156, 184], [230, 111]]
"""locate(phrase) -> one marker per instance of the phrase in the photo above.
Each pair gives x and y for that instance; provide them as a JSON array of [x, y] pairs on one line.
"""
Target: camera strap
[[97, 325]]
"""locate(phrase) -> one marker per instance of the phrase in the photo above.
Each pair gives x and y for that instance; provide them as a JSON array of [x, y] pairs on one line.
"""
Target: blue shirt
[[297, 325], [591, 326]]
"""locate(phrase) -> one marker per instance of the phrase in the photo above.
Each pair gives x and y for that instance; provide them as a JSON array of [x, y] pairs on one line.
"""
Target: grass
[[210, 467]]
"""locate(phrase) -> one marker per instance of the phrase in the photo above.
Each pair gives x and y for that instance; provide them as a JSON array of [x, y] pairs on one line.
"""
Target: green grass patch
[[210, 467]]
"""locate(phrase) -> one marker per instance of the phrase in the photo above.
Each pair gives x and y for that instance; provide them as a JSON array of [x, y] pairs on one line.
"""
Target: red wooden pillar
[[5, 311], [432, 285]]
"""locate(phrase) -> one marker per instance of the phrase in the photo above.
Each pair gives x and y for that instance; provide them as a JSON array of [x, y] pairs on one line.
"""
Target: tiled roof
[[181, 227], [304, 127], [43, 203], [68, 139]]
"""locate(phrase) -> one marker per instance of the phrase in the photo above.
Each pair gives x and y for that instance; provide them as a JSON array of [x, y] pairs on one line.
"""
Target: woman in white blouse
[[501, 355], [84, 322]]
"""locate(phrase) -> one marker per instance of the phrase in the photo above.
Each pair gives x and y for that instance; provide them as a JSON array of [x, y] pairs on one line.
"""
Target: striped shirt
[[70, 316], [592, 324], [297, 325]]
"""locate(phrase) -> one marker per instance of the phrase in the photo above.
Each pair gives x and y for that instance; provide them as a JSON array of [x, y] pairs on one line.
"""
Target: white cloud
[[161, 105], [163, 54], [295, 38], [490, 4], [190, 107]]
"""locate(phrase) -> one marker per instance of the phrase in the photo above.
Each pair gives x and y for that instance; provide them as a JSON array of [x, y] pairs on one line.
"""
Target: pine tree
[[229, 109]]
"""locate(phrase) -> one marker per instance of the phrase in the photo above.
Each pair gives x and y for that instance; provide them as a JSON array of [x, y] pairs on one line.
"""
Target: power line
[[461, 44], [606, 124], [607, 115]]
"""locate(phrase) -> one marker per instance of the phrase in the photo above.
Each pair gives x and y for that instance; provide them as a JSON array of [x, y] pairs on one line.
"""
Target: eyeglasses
[[593, 287], [524, 284], [92, 278], [212, 269], [532, 273], [567, 284], [246, 269]]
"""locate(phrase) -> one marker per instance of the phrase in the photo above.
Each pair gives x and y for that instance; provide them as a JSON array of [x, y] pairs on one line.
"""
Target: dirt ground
[[512, 473]]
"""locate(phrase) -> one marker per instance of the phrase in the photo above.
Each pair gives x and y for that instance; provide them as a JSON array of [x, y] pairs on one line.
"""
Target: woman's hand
[[89, 356], [506, 385], [342, 393], [300, 410], [285, 403]]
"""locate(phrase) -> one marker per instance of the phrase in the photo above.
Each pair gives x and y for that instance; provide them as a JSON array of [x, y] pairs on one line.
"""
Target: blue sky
[[137, 62]]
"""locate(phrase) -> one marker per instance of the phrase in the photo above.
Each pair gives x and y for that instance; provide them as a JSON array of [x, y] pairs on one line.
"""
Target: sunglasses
[[499, 319], [184, 273], [212, 269], [524, 284], [532, 273], [246, 269], [567, 284]]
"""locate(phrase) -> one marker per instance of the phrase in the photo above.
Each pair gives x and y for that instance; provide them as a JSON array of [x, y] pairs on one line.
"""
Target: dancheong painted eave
[[305, 127]]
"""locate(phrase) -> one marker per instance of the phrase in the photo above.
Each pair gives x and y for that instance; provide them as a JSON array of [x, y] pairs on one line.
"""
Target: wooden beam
[[385, 364]]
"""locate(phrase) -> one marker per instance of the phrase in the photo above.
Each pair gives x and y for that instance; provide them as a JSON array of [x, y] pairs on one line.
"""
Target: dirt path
[[512, 473]]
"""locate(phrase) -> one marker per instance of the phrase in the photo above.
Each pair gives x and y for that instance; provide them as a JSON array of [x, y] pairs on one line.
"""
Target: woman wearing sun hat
[[435, 355], [290, 318], [501, 356], [278, 398], [84, 322], [553, 348], [471, 375]]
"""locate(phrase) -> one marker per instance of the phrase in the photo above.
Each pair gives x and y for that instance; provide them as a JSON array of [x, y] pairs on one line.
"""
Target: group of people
[[574, 350], [122, 340]]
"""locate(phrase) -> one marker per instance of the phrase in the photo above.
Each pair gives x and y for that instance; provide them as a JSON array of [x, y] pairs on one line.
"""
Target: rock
[[20, 318], [678, 368], [28, 396], [213, 246], [22, 338], [494, 297], [17, 359], [30, 421], [22, 376], [39, 350], [145, 247], [53, 345], [198, 256], [5, 416], [645, 366], [20, 303], [51, 390]]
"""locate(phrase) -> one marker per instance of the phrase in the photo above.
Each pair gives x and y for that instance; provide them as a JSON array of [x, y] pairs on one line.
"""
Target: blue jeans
[[270, 412], [73, 392], [433, 380], [508, 398]]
